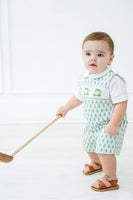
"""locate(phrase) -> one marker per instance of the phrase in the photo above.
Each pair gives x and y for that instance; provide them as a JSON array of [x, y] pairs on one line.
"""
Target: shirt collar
[[99, 74]]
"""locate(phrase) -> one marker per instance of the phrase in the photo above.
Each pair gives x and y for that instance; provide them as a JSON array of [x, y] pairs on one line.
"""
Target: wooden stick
[[25, 144]]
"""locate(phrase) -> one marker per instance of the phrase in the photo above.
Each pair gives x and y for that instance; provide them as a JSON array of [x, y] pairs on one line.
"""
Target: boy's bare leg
[[109, 166], [94, 158]]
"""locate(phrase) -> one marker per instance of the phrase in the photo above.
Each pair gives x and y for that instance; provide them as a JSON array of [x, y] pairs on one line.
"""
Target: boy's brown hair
[[100, 36]]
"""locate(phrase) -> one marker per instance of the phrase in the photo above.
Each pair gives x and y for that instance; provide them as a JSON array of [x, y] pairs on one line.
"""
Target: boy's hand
[[72, 103], [62, 111], [111, 129]]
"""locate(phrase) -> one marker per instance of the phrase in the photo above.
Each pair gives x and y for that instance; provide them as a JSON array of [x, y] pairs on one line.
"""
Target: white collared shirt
[[117, 87]]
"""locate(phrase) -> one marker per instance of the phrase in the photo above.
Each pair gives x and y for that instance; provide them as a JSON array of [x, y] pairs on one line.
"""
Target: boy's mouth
[[93, 65]]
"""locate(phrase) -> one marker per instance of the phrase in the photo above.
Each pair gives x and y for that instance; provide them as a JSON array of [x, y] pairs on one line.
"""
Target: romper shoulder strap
[[119, 77], [115, 74]]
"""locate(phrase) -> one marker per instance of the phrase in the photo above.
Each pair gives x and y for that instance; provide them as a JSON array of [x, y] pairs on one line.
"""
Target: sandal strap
[[112, 182], [91, 168], [98, 164], [105, 183], [101, 184]]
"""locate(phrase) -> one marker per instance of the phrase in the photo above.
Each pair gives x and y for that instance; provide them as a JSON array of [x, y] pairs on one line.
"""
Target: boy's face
[[96, 56]]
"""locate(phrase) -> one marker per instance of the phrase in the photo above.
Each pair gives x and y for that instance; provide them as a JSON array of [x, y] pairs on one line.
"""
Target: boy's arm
[[118, 114], [72, 103]]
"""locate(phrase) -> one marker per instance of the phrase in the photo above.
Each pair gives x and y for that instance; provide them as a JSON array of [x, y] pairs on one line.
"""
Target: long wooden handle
[[25, 144]]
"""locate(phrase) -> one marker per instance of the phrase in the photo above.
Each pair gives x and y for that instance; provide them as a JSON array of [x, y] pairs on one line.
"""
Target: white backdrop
[[40, 53]]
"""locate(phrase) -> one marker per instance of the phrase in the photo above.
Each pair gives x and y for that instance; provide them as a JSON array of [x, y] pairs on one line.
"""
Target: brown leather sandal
[[92, 169], [104, 184]]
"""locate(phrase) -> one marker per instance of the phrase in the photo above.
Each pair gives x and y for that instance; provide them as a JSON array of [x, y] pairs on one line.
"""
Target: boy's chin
[[93, 70]]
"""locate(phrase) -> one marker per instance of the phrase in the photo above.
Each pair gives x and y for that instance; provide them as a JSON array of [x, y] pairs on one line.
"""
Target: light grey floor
[[51, 166]]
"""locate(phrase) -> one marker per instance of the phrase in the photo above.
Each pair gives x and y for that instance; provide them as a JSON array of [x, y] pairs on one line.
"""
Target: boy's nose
[[93, 58]]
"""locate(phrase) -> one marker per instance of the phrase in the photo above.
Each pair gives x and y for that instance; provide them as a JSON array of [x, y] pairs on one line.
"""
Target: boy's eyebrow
[[86, 50], [97, 51], [101, 51]]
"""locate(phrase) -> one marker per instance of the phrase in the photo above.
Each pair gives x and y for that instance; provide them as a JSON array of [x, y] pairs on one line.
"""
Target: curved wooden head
[[5, 158]]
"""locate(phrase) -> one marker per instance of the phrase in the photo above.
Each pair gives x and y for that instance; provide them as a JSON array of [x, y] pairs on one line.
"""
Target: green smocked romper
[[98, 109]]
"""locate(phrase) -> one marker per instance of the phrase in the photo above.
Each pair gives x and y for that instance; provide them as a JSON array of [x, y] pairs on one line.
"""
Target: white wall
[[40, 52]]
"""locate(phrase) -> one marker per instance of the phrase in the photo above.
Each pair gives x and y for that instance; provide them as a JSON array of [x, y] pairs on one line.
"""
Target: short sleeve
[[117, 89], [78, 91]]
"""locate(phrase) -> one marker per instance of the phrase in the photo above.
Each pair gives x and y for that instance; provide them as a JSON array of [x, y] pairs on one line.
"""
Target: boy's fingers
[[57, 114]]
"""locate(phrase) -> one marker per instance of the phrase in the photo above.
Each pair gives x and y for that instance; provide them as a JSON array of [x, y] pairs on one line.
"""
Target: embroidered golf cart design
[[97, 93], [86, 91]]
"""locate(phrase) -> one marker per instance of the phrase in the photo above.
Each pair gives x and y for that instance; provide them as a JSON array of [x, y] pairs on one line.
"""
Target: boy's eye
[[100, 55], [87, 54]]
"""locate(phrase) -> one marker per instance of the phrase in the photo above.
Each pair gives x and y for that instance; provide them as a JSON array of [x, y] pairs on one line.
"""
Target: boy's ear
[[111, 59]]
